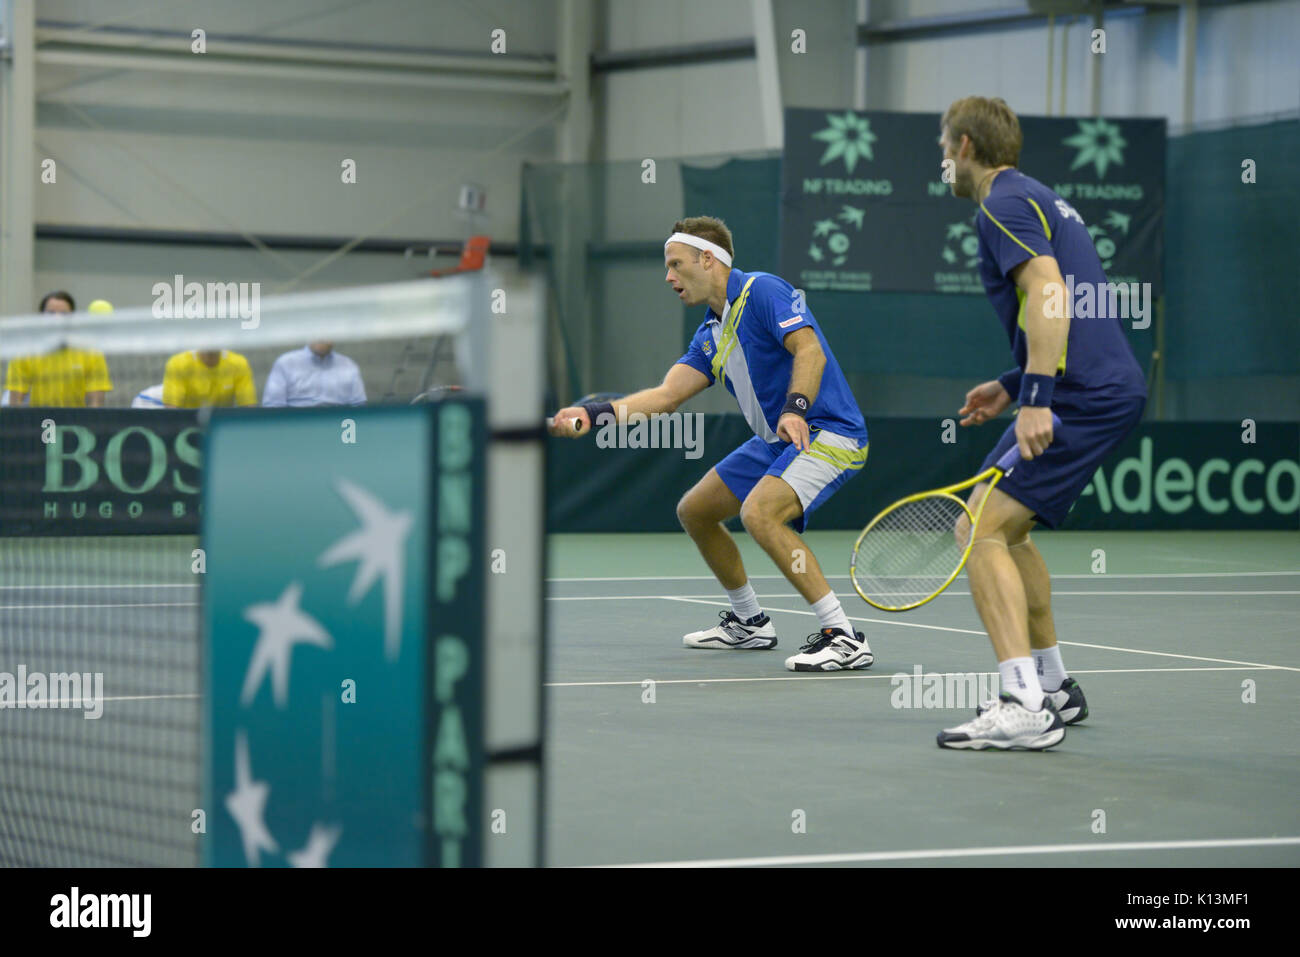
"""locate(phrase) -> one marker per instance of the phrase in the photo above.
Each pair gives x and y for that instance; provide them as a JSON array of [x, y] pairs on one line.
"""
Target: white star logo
[[849, 137], [247, 805], [282, 625], [379, 546], [1099, 143], [320, 844]]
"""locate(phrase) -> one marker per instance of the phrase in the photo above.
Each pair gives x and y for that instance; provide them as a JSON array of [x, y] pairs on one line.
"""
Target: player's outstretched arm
[[680, 384]]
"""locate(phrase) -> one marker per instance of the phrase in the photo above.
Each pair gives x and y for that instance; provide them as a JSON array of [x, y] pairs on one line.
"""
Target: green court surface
[[1187, 647], [734, 749]]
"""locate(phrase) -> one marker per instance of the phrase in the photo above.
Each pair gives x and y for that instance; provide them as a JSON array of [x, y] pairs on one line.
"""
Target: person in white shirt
[[314, 375], [150, 398]]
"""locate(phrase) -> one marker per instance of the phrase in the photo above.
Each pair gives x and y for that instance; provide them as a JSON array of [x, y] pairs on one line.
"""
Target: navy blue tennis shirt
[[1019, 219]]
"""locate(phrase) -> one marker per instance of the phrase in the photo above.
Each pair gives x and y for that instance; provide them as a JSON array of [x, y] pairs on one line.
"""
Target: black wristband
[[596, 409], [796, 404]]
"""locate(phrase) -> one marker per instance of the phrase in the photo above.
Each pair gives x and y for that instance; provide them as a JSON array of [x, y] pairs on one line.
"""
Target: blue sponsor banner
[[342, 636]]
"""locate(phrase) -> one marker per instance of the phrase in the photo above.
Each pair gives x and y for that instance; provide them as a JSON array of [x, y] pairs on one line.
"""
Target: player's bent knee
[[693, 513], [755, 517], [686, 512], [695, 510]]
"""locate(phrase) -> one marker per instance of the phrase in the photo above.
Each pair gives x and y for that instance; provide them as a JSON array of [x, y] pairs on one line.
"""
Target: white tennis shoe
[[757, 634], [1007, 725], [832, 649]]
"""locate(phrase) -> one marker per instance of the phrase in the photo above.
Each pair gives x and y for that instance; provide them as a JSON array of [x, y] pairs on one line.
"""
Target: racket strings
[[911, 552]]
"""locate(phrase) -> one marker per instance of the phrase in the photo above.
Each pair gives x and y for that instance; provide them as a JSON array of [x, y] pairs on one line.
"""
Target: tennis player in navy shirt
[[1081, 369]]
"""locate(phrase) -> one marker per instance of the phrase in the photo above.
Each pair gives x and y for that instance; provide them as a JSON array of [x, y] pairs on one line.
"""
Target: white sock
[[1051, 672], [744, 603], [1021, 679], [831, 614]]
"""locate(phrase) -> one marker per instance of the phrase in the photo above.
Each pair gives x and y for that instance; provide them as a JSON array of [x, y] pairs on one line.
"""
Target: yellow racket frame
[[992, 474]]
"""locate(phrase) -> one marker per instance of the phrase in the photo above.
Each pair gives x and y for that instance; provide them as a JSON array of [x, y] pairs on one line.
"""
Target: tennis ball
[[100, 305]]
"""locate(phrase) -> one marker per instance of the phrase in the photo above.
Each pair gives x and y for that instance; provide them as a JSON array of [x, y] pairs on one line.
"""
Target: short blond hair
[[991, 125], [706, 227]]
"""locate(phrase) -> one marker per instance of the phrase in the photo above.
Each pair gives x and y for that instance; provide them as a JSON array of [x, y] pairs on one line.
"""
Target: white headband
[[720, 254]]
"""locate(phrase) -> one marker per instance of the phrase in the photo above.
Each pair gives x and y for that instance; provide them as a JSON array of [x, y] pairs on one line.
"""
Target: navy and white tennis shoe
[[832, 649], [756, 634]]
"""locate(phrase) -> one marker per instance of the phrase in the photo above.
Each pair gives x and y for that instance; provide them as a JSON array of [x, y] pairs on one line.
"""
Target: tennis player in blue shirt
[[760, 341], [1082, 369]]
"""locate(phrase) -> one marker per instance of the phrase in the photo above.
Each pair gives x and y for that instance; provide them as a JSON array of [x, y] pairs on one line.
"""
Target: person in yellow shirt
[[64, 377], [218, 377]]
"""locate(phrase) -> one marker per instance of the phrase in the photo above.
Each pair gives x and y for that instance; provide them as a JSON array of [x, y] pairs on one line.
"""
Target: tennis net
[[100, 584]]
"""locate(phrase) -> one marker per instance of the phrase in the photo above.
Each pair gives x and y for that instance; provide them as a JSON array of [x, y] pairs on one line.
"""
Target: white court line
[[61, 587], [709, 578], [946, 594], [969, 631], [684, 578], [1167, 654], [957, 852], [114, 604], [702, 578], [859, 676], [79, 702]]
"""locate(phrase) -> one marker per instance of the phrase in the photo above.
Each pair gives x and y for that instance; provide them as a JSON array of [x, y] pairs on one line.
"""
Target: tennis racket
[[575, 425], [912, 551]]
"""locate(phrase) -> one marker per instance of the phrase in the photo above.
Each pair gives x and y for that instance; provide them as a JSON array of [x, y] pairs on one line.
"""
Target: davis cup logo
[[834, 235], [961, 246]]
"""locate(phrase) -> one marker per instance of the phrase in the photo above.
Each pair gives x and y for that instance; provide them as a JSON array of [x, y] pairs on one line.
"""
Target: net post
[[477, 337]]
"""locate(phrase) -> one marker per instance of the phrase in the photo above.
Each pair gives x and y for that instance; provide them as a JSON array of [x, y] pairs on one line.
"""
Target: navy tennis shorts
[[1051, 483]]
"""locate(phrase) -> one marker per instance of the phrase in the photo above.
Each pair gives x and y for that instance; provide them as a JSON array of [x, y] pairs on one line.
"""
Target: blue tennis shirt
[[1019, 219], [761, 310]]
